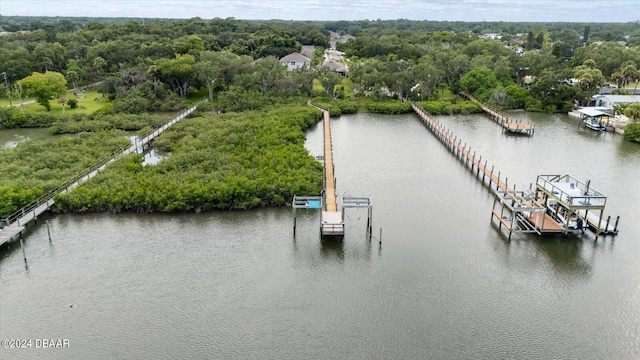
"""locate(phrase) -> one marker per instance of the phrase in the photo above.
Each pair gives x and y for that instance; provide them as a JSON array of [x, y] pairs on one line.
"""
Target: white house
[[609, 101], [296, 61]]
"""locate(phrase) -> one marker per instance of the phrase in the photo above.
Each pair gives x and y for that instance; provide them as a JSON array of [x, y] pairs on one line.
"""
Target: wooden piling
[[24, 255], [48, 230]]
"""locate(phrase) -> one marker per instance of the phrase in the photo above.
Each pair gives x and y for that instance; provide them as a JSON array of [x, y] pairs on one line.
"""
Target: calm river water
[[444, 284]]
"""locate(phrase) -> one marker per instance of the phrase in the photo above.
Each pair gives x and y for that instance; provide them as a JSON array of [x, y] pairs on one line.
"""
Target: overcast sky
[[451, 10]]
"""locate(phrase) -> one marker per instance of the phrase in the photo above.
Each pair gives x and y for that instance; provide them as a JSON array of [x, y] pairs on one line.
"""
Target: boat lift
[[560, 204]]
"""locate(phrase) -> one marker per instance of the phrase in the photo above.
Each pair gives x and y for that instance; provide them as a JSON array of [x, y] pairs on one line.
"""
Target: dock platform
[[515, 126]]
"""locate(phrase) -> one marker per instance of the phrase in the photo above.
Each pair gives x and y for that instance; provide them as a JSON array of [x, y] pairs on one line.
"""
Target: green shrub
[[73, 103], [14, 118], [348, 106], [466, 107], [632, 132], [567, 106], [533, 104], [388, 107], [226, 161], [516, 96], [38, 166], [337, 107], [437, 107]]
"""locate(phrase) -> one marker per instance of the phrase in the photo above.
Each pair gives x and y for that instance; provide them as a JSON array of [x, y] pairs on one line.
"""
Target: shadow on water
[[332, 247], [567, 256]]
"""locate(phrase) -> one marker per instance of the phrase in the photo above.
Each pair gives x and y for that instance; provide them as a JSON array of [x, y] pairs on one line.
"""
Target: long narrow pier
[[525, 212], [14, 225], [329, 177], [508, 124], [332, 220], [332, 223], [461, 151]]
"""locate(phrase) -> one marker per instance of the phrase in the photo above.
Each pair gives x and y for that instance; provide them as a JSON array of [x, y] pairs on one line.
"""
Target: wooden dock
[[329, 178], [332, 223], [508, 124], [14, 225], [526, 214], [487, 174], [332, 220]]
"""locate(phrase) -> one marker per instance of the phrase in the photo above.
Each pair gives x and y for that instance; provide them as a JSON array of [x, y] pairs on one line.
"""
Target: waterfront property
[[445, 272], [551, 209], [609, 101], [595, 119]]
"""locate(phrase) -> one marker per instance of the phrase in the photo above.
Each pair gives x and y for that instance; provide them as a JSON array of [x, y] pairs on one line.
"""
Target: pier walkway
[[464, 153], [508, 124], [14, 225], [521, 210], [332, 220], [332, 223]]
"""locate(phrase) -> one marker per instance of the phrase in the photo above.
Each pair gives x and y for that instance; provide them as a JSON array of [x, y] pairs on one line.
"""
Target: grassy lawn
[[5, 101], [91, 102]]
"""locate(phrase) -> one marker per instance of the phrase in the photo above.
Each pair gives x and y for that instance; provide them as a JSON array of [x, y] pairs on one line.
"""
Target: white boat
[[594, 124], [561, 214], [595, 119]]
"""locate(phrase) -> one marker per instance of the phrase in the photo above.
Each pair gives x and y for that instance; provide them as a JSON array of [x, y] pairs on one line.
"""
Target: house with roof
[[308, 51], [609, 101], [296, 61], [336, 66]]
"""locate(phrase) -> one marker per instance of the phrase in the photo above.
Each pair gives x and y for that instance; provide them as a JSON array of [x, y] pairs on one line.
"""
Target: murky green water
[[10, 138], [444, 284]]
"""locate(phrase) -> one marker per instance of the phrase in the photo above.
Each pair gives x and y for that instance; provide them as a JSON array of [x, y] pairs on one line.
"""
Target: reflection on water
[[10, 138], [153, 156]]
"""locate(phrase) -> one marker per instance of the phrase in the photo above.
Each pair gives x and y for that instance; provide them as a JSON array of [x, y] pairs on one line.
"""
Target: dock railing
[[508, 123], [47, 198], [583, 195]]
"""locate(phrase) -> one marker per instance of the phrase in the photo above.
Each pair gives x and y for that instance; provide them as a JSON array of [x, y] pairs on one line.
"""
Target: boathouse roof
[[593, 112]]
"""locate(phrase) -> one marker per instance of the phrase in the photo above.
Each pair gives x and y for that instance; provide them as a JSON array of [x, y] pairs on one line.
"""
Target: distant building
[[345, 38], [527, 81], [336, 66], [609, 101], [492, 36], [308, 51], [296, 61]]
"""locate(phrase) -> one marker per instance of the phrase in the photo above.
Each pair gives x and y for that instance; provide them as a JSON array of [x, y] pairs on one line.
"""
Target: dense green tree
[[479, 81], [179, 72], [590, 79], [73, 72], [51, 56], [329, 80], [628, 73], [585, 34], [45, 86], [632, 132]]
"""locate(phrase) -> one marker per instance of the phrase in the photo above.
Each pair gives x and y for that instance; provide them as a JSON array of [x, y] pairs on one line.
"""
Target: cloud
[[450, 10]]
